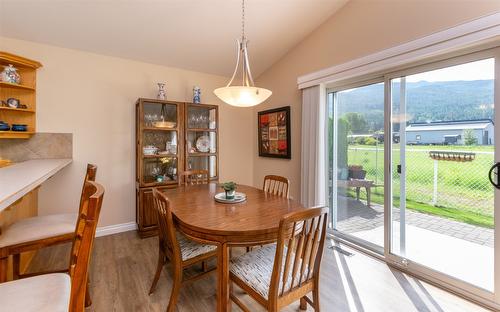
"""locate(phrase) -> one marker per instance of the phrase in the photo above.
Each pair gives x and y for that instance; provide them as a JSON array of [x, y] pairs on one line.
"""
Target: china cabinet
[[21, 92], [171, 137]]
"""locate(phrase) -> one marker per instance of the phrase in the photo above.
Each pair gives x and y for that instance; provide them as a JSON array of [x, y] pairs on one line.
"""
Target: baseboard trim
[[115, 228]]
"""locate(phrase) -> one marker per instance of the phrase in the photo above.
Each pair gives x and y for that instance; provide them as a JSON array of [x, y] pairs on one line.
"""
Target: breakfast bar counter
[[21, 178], [19, 184]]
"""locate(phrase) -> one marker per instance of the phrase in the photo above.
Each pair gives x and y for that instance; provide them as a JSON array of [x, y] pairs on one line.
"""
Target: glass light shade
[[242, 96]]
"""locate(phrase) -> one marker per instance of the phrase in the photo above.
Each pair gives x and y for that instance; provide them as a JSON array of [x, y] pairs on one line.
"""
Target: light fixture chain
[[243, 19]]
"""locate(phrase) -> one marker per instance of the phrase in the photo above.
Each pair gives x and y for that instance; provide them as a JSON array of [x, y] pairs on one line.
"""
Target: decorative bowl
[[4, 126], [238, 198], [164, 124], [20, 128], [203, 144]]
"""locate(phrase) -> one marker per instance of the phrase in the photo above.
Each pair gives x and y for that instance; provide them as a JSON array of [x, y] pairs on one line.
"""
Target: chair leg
[[176, 287], [316, 298], [159, 267], [303, 304], [88, 300], [3, 269], [16, 266]]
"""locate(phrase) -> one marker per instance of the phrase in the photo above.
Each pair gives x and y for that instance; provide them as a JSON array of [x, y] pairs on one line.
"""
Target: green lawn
[[464, 192]]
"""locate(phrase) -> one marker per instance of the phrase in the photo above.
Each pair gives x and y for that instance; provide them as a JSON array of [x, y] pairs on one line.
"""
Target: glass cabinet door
[[201, 138], [160, 142], [201, 117], [208, 163]]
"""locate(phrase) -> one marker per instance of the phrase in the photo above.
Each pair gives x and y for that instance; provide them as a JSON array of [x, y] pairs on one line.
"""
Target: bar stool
[[64, 291], [34, 233]]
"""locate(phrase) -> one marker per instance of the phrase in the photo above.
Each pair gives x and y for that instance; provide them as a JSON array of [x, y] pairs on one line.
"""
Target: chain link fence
[[441, 183]]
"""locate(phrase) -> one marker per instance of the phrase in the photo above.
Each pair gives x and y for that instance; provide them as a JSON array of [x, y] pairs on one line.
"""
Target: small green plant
[[228, 186]]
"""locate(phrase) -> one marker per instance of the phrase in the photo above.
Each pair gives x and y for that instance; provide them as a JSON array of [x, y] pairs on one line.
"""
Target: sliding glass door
[[443, 147], [413, 165], [356, 121]]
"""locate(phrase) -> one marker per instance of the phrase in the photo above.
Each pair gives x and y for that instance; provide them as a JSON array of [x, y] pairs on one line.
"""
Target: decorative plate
[[238, 198], [203, 144]]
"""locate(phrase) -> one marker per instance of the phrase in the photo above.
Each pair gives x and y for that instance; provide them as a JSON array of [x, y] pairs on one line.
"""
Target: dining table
[[252, 222]]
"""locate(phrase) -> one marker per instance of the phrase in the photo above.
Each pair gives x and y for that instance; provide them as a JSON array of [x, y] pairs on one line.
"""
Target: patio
[[454, 244], [358, 217]]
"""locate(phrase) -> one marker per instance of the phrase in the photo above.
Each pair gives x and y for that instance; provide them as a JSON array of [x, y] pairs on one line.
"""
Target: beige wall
[[360, 28], [93, 97]]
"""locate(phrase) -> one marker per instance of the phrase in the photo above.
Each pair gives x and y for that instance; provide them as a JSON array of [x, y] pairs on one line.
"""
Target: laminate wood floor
[[123, 266]]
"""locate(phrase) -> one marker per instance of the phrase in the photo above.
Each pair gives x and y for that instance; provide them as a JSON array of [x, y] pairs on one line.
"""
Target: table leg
[[357, 193], [223, 289], [368, 195]]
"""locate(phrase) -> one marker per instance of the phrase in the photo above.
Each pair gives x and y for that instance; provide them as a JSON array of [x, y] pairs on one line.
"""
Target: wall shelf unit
[[25, 92]]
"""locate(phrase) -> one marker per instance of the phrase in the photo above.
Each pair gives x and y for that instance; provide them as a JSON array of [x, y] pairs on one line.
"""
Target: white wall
[[359, 28], [93, 97]]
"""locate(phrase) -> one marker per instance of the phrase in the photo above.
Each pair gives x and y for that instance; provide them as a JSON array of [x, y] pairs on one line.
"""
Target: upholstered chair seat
[[43, 293], [191, 249], [37, 228], [256, 267]]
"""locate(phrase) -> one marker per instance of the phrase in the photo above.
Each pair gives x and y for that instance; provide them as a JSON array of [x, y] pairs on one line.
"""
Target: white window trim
[[446, 41]]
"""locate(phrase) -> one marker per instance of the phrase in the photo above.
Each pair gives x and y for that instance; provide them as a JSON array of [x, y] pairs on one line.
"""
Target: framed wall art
[[274, 133]]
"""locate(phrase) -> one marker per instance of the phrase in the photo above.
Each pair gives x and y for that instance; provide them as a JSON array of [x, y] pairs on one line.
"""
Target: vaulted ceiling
[[191, 34]]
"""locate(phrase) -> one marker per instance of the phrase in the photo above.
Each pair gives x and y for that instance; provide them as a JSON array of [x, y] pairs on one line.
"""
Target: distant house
[[450, 132]]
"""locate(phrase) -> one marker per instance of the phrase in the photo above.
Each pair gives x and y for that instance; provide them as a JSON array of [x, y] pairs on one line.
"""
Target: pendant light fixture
[[246, 94]]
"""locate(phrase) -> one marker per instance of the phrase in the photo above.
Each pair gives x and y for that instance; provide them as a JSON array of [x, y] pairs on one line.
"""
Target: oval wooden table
[[253, 222]]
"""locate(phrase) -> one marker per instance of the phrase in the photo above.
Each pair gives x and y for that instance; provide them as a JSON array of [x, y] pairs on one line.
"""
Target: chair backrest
[[166, 227], [81, 250], [89, 176], [299, 250], [276, 185], [193, 177]]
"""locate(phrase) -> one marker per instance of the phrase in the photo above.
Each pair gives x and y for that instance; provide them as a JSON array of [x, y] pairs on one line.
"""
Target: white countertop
[[21, 178]]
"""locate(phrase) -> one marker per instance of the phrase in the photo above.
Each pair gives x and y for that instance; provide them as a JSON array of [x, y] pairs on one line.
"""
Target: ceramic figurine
[[196, 95], [162, 94], [10, 74]]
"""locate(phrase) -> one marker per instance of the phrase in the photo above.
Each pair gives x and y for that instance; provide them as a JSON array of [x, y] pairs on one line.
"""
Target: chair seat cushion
[[255, 269], [43, 293], [191, 249], [35, 228]]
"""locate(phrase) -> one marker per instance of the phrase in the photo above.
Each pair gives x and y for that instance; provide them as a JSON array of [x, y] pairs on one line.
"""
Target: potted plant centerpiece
[[229, 189]]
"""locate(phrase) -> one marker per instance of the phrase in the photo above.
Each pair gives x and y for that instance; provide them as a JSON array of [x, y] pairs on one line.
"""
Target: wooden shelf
[[25, 92], [2, 108], [202, 130], [15, 86], [160, 156], [159, 129], [16, 134], [18, 61], [201, 154]]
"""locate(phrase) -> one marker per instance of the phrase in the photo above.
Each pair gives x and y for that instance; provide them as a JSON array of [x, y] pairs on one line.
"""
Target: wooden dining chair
[[276, 185], [180, 250], [193, 177], [34, 233], [65, 290], [279, 274]]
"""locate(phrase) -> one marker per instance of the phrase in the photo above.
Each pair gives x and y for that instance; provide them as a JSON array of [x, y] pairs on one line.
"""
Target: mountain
[[426, 101]]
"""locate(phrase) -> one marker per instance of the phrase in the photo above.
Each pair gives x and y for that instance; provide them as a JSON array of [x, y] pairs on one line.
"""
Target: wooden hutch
[[171, 137], [25, 92]]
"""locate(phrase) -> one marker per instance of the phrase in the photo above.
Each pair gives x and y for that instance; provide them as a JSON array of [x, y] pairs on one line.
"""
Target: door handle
[[492, 172]]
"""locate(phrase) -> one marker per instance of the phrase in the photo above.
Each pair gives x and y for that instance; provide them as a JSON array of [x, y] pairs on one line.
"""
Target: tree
[[469, 137], [357, 122]]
